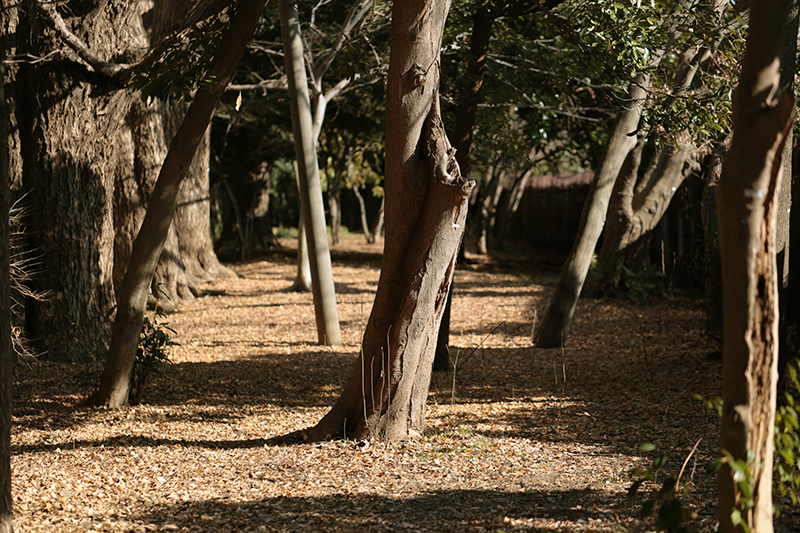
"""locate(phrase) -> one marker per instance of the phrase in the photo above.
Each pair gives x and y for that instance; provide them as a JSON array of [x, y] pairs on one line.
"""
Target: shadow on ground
[[450, 511]]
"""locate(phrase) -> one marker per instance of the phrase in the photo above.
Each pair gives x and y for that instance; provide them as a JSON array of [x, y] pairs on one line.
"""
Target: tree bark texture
[[71, 144], [554, 328], [747, 200], [426, 205], [115, 380], [322, 287], [6, 353]]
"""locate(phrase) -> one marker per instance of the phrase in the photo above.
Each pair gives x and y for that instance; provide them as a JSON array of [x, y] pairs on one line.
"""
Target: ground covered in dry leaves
[[522, 440]]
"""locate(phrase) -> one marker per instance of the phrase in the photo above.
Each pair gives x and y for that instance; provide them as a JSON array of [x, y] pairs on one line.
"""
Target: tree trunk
[[554, 328], [713, 281], [426, 205], [69, 172], [322, 286], [377, 227], [636, 208], [192, 219], [302, 281], [115, 381], [6, 353], [747, 200], [509, 206], [362, 208]]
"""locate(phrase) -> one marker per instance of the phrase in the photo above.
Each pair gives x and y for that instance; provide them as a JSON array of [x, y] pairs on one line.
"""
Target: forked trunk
[[555, 324], [426, 206], [747, 200]]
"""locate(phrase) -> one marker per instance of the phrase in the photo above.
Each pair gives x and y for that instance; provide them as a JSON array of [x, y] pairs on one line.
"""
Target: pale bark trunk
[[554, 328], [377, 227], [6, 352], [426, 204], [302, 280], [362, 207], [322, 286], [115, 381], [747, 200]]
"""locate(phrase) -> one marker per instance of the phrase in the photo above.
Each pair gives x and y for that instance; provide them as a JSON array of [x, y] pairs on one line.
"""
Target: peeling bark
[[747, 199]]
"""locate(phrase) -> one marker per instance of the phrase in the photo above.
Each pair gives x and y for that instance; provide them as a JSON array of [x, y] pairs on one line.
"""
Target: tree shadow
[[435, 511]]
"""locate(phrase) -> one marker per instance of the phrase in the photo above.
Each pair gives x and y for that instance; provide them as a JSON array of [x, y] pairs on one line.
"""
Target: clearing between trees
[[520, 439]]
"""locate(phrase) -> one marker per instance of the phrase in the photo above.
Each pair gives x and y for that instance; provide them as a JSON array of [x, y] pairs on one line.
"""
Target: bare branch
[[273, 85]]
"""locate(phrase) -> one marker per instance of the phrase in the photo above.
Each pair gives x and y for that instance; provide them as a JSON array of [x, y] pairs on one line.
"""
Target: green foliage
[[644, 284], [670, 514], [183, 67], [787, 439], [745, 483], [152, 354]]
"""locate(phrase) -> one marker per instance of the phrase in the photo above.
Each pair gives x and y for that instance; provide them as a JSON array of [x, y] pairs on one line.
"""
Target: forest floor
[[522, 439]]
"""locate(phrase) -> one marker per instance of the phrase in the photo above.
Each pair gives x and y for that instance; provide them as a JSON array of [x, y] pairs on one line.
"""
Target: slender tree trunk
[[377, 227], [6, 353], [302, 281], [509, 207], [362, 207], [747, 200], [554, 328], [426, 204], [713, 281], [636, 208], [115, 380], [313, 211]]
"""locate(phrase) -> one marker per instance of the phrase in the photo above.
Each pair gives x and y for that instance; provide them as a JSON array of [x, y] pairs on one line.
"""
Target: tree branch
[[115, 71]]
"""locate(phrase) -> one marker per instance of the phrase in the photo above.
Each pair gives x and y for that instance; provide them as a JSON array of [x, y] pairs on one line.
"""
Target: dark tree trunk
[[69, 172], [426, 204], [6, 351], [747, 201]]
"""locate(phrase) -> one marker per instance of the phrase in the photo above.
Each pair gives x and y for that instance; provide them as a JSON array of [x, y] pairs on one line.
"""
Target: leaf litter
[[521, 439]]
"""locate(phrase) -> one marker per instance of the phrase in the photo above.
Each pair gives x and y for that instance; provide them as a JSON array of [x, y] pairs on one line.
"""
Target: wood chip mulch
[[522, 439]]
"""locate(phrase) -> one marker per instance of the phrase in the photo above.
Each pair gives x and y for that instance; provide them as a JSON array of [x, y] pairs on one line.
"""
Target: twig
[[685, 462], [481, 343]]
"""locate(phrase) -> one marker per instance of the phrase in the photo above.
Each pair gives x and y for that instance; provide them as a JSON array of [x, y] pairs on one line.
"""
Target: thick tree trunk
[[70, 173], [747, 200], [554, 328], [426, 204], [313, 211], [6, 352], [115, 381], [192, 221]]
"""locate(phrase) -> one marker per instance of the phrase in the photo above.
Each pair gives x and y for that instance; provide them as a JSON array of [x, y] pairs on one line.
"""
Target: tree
[[115, 380], [425, 210], [554, 328], [747, 199], [67, 170], [6, 353], [313, 210]]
